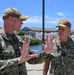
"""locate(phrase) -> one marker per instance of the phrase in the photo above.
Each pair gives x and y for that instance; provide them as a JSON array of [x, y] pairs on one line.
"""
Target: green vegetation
[[35, 42], [32, 41], [20, 33]]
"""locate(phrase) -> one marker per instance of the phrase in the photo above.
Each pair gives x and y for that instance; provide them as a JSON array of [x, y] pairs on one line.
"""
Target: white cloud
[[1, 19], [38, 19], [51, 19], [62, 14], [34, 19]]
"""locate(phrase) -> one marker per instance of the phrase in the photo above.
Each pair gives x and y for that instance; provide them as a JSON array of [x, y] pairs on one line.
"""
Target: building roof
[[37, 29]]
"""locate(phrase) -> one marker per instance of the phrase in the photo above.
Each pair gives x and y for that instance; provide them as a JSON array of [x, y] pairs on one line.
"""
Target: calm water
[[36, 47]]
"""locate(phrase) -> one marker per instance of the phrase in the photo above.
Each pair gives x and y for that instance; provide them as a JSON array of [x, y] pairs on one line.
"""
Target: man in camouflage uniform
[[62, 56], [12, 58]]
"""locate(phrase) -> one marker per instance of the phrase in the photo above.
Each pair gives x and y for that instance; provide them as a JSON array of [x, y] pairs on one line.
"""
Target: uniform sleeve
[[41, 57], [6, 65]]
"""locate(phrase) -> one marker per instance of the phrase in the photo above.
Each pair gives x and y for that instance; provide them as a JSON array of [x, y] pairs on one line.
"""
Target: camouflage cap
[[64, 23], [14, 13]]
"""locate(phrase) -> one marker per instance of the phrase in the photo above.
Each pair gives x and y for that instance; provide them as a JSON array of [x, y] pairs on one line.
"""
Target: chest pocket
[[71, 52], [9, 50]]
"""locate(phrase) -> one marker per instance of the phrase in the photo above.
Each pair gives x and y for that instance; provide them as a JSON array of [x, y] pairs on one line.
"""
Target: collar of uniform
[[59, 42], [4, 35]]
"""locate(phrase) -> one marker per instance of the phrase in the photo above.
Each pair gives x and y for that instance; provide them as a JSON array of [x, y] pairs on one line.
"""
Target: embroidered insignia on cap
[[62, 21]]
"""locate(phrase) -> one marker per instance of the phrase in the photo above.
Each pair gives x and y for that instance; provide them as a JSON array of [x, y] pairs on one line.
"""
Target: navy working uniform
[[9, 53], [62, 58]]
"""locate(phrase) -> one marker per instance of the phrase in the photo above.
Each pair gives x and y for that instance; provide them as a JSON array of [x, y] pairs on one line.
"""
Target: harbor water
[[36, 47]]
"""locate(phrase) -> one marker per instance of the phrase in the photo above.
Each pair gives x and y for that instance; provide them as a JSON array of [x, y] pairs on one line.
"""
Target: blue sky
[[54, 11]]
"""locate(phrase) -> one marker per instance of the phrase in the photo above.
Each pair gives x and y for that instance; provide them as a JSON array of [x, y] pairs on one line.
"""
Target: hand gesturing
[[48, 47], [24, 52]]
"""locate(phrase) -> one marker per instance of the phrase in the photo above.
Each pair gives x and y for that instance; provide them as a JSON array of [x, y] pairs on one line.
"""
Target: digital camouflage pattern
[[62, 58], [9, 52]]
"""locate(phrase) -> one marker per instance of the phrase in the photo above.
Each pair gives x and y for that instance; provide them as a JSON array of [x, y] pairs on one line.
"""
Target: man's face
[[17, 24], [63, 31]]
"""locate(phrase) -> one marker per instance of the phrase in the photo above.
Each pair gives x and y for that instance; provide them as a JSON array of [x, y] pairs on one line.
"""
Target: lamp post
[[43, 19]]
